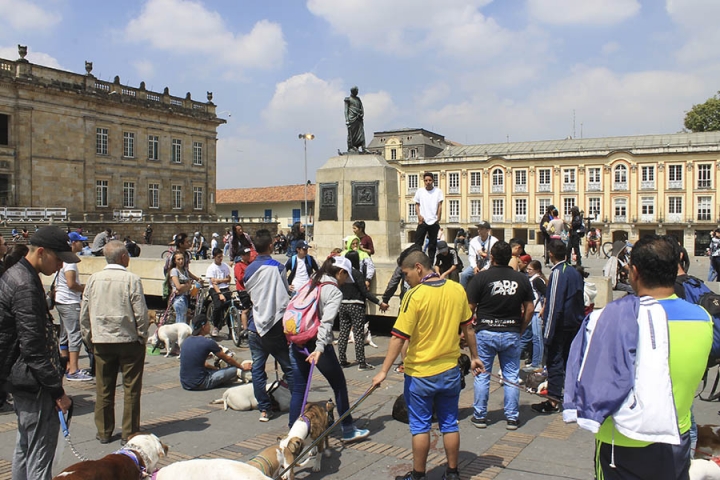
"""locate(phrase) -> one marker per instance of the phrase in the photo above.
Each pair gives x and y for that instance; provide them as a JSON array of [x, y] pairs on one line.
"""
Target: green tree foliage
[[704, 117]]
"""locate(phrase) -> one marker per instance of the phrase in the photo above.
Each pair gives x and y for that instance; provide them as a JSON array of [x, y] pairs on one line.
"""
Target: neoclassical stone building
[[73, 141], [629, 186]]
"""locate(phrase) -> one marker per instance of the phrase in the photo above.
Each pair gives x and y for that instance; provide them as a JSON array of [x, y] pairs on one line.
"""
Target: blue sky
[[476, 71]]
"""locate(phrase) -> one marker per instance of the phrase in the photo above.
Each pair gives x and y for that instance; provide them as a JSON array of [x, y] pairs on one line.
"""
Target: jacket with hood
[[564, 303], [357, 292], [367, 267]]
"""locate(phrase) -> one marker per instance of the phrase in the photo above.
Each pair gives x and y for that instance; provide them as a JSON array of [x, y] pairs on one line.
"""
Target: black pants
[[658, 461], [557, 356], [574, 244], [218, 306], [432, 232]]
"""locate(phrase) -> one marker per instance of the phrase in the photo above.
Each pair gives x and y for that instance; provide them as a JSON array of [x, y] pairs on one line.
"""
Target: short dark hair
[[558, 249], [217, 251], [655, 258], [409, 258], [180, 238], [428, 174], [263, 240], [501, 252]]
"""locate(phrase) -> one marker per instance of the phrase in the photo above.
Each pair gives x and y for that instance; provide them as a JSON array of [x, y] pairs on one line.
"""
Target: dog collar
[[132, 456], [261, 463], [306, 420]]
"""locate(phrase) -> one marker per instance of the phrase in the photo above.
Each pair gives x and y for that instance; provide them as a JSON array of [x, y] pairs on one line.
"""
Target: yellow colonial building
[[74, 143], [627, 186]]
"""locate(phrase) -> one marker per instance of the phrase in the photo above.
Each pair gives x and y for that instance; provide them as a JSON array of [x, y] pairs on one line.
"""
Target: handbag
[[50, 295]]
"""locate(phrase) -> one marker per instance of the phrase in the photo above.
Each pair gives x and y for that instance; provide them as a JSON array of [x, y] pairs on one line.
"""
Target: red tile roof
[[285, 193]]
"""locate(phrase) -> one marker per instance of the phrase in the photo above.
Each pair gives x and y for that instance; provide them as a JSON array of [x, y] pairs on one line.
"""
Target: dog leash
[[326, 432], [504, 381], [66, 433], [307, 387]]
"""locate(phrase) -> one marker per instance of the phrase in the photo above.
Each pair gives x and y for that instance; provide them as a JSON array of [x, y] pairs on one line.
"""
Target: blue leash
[[66, 433]]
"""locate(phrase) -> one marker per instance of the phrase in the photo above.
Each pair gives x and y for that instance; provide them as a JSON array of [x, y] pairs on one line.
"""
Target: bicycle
[[231, 317], [169, 252]]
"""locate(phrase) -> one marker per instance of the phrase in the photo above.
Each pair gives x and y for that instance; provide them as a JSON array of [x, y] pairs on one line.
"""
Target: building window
[[521, 181], [393, 154], [129, 194], [101, 141], [521, 209], [412, 213], [704, 179], [704, 208], [569, 184], [153, 195], [498, 181], [568, 204], [197, 198], [412, 183], [436, 182], [454, 211], [153, 147], [176, 150], [176, 197], [413, 153], [454, 182], [544, 180], [621, 210], [675, 209], [128, 145], [498, 210], [647, 209], [197, 153], [593, 176], [675, 176], [647, 178], [4, 129], [475, 182], [101, 193], [594, 207], [476, 211], [543, 204], [620, 179]]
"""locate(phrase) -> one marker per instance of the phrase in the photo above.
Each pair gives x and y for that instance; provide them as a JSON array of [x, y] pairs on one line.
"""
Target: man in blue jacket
[[563, 314]]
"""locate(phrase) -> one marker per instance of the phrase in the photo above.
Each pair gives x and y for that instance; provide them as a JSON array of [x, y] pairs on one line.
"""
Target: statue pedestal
[[357, 187]]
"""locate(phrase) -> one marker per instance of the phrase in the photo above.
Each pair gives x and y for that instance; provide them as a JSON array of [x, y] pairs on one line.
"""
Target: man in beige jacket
[[114, 324]]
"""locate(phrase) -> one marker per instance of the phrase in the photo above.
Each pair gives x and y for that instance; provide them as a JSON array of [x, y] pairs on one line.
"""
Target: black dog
[[399, 411]]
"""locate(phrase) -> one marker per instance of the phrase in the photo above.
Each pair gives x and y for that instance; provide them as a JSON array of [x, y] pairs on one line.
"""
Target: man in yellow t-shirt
[[430, 316]]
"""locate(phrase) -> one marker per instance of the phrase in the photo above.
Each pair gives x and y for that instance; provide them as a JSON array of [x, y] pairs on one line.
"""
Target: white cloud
[[698, 20], [185, 26], [584, 12], [39, 58], [144, 68], [609, 48], [21, 14]]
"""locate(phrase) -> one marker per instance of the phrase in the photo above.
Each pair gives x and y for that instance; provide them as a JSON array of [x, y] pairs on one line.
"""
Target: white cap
[[345, 264], [197, 234], [215, 234]]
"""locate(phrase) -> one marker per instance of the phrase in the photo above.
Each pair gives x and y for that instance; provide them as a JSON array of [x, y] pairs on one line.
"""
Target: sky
[[475, 71]]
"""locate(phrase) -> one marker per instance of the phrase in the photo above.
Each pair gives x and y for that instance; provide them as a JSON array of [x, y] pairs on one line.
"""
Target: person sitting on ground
[[195, 372], [99, 242]]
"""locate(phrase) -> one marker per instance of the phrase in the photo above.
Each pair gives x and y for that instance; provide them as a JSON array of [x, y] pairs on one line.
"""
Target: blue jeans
[[533, 335], [218, 378], [507, 347], [330, 367], [181, 305], [466, 275], [273, 343]]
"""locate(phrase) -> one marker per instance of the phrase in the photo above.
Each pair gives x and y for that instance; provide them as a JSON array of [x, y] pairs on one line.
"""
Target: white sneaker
[[214, 332]]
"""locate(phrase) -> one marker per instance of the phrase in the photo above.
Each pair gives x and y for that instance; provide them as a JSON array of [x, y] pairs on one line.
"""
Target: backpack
[[301, 319], [166, 288], [698, 293]]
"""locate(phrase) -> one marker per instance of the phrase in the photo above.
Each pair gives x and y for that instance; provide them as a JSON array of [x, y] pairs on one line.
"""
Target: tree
[[704, 117]]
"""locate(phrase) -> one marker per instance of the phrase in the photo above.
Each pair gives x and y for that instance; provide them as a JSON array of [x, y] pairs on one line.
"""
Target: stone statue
[[354, 114]]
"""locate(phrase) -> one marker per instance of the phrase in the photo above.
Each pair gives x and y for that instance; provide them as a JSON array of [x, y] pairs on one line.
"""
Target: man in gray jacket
[[114, 324], [29, 355]]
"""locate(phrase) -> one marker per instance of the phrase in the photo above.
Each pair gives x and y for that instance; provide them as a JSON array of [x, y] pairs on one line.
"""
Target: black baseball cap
[[57, 240], [484, 225], [199, 322]]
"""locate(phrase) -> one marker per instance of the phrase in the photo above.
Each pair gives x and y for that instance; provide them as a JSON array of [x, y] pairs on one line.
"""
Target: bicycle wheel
[[607, 249], [236, 329], [166, 254]]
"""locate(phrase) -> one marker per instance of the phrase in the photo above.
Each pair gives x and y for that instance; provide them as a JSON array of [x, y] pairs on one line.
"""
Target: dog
[[399, 410], [708, 442], [306, 429], [245, 376], [701, 469], [368, 337], [242, 399], [140, 455], [170, 335], [217, 469]]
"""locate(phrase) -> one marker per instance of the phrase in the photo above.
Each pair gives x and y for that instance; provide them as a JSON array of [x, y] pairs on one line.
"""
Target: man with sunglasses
[[478, 254], [30, 358]]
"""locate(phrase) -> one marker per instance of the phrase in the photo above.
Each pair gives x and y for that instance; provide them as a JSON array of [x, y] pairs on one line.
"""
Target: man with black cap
[[195, 373], [479, 253], [447, 262], [29, 354], [114, 325]]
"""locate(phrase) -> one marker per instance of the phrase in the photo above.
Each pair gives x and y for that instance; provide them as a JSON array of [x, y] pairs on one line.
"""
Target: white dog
[[368, 337], [171, 335], [704, 470], [215, 469], [245, 376], [242, 399]]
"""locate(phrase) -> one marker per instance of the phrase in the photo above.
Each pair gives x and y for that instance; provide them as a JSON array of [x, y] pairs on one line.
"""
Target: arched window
[[620, 174], [498, 180]]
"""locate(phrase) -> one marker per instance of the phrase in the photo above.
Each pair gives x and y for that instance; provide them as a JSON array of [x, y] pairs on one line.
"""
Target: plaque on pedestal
[[364, 200], [328, 201]]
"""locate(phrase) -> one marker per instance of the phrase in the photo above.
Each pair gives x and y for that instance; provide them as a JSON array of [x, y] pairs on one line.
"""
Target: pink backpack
[[301, 320]]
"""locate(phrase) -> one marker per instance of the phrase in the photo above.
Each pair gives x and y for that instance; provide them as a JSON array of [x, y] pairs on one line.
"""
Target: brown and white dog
[[708, 442], [306, 429], [140, 455], [263, 466]]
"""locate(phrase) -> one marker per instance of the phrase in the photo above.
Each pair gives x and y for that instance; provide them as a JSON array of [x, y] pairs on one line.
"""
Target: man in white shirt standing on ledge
[[428, 204]]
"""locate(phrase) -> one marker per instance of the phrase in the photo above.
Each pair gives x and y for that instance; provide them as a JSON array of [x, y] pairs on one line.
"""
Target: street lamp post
[[305, 137]]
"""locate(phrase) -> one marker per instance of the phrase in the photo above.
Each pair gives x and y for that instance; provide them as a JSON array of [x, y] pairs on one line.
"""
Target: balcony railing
[[647, 185], [675, 184], [412, 219], [569, 187], [475, 219], [675, 218], [454, 218], [620, 218], [454, 190], [411, 190], [620, 186], [521, 188], [544, 187], [594, 187], [498, 189], [475, 189], [647, 218], [521, 218], [498, 219]]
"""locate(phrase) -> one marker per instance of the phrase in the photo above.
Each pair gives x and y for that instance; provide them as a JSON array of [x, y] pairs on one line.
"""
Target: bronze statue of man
[[354, 114]]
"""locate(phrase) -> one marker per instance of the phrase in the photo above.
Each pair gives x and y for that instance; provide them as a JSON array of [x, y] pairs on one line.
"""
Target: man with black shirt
[[577, 231], [502, 300], [447, 262]]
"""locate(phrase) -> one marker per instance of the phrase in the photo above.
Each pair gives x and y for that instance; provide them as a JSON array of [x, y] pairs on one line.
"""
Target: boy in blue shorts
[[430, 316]]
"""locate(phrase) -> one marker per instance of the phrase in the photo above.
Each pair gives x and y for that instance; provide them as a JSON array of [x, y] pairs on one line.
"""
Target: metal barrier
[[128, 215], [33, 214]]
